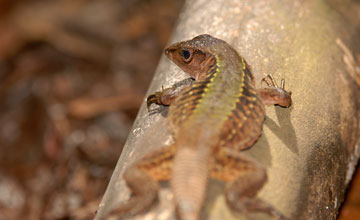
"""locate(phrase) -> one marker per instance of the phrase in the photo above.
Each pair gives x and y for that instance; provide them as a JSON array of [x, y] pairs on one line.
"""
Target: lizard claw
[[270, 82], [282, 97], [153, 98], [163, 97]]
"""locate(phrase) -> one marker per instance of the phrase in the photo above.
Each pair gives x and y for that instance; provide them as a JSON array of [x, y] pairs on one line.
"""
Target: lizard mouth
[[168, 51]]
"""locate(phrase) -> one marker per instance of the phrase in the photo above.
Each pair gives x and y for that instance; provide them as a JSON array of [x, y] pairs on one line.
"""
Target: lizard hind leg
[[142, 179], [244, 177]]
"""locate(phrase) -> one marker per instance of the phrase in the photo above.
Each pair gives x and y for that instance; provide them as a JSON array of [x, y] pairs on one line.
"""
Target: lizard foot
[[275, 94], [163, 97], [270, 82], [251, 205]]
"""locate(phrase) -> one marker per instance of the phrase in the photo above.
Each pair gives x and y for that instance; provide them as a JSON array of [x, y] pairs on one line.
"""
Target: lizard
[[213, 119]]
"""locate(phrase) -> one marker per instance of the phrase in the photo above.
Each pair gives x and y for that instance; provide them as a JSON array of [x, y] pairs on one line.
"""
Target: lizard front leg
[[142, 179], [168, 95], [244, 177], [275, 94]]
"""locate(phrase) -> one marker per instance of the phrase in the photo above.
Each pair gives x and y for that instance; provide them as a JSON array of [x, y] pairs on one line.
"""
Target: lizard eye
[[186, 55]]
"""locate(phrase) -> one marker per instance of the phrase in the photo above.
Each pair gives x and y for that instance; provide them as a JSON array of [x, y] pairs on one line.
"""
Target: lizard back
[[224, 104]]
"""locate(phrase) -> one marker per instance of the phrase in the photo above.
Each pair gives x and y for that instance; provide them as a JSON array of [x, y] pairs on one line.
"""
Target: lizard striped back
[[226, 100]]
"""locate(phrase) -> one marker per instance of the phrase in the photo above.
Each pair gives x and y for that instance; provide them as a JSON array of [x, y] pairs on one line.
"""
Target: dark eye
[[186, 55]]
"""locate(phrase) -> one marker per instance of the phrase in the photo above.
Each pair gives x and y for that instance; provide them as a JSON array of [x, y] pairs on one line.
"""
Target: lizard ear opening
[[186, 55]]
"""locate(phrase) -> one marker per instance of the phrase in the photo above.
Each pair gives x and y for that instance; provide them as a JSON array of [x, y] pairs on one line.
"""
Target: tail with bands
[[189, 181]]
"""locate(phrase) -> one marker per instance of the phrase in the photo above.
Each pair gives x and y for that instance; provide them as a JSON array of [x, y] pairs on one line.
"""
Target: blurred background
[[73, 74]]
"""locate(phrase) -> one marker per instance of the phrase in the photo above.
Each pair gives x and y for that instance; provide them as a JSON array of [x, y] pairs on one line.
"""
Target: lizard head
[[193, 56]]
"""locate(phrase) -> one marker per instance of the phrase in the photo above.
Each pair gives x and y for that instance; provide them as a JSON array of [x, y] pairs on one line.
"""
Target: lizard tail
[[189, 181]]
